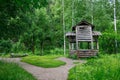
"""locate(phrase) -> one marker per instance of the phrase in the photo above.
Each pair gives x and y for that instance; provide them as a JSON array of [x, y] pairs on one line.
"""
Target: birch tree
[[115, 23], [64, 27]]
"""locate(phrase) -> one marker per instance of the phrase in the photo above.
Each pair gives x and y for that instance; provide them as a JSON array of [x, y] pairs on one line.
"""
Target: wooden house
[[83, 40]]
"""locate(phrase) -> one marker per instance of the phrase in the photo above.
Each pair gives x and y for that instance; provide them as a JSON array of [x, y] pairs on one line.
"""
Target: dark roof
[[83, 22], [70, 34], [96, 33]]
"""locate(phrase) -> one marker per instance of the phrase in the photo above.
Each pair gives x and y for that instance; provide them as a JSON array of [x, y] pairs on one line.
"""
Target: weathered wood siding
[[83, 33]]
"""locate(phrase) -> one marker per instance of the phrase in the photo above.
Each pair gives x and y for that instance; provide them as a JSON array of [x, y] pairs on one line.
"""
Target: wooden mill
[[83, 41]]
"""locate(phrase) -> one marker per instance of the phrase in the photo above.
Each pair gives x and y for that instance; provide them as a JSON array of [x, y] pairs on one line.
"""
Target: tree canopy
[[36, 25]]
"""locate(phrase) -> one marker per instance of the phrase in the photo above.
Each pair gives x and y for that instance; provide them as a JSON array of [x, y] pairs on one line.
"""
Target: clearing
[[59, 73]]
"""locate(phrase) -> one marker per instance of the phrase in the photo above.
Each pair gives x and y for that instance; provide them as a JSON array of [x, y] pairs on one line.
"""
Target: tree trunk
[[33, 42], [72, 12], [64, 28], [42, 49], [115, 24], [92, 11]]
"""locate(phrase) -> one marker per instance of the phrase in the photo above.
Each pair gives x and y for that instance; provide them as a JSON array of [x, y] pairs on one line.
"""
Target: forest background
[[36, 26]]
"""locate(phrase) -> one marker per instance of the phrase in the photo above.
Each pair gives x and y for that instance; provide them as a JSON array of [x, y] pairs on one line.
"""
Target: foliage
[[14, 22], [17, 47], [5, 46], [37, 24], [4, 55], [56, 51], [73, 56], [43, 61], [11, 71], [108, 42], [105, 68]]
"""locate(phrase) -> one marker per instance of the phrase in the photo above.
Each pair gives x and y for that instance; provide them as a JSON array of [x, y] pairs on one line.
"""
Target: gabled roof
[[83, 22]]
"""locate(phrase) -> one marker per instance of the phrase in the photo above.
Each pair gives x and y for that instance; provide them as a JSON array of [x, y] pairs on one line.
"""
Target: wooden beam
[[72, 46], [76, 39], [97, 45], [92, 45], [69, 46]]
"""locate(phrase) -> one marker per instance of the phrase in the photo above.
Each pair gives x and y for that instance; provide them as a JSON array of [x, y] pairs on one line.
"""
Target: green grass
[[43, 61], [76, 62], [5, 55], [11, 71], [105, 68]]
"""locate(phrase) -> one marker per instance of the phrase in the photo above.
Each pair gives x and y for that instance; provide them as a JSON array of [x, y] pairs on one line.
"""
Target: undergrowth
[[107, 67]]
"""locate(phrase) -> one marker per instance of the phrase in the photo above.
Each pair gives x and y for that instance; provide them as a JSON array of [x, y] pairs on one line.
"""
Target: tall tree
[[115, 23], [64, 28]]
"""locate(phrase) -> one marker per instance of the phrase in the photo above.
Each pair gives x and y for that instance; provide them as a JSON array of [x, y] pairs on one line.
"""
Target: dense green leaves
[[108, 42], [5, 46], [36, 25]]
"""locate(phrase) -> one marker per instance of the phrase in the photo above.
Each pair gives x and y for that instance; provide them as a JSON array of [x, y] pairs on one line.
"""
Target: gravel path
[[59, 73]]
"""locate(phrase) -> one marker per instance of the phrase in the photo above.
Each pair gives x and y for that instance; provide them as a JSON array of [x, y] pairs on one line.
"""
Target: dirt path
[[59, 73]]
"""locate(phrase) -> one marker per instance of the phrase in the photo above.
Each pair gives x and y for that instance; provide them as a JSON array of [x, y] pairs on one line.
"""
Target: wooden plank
[[86, 53], [76, 39], [92, 45], [82, 34], [97, 45]]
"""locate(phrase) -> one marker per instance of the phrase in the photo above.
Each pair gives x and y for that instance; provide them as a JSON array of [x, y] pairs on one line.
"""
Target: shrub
[[73, 56], [57, 51], [18, 46], [5, 46], [108, 44]]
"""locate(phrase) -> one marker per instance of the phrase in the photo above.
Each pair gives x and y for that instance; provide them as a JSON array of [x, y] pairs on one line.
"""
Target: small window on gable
[[81, 27]]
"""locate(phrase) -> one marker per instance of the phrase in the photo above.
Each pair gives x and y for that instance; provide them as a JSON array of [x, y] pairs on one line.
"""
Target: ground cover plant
[[12, 71], [105, 68], [43, 61]]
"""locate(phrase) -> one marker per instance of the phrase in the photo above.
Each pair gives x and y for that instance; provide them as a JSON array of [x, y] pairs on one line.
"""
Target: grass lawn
[[11, 71], [43, 61], [105, 68], [5, 55]]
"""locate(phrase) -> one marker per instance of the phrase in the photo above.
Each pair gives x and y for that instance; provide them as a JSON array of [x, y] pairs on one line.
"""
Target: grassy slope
[[105, 68], [11, 71], [43, 61]]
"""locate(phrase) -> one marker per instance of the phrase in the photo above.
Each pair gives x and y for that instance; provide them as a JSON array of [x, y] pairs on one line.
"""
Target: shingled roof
[[96, 33], [83, 22]]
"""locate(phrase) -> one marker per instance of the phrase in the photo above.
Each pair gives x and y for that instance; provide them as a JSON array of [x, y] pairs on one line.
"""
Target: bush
[[57, 51], [5, 46], [108, 44], [17, 47], [73, 56]]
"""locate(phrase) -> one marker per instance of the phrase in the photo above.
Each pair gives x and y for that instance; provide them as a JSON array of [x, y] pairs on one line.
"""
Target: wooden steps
[[84, 53]]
